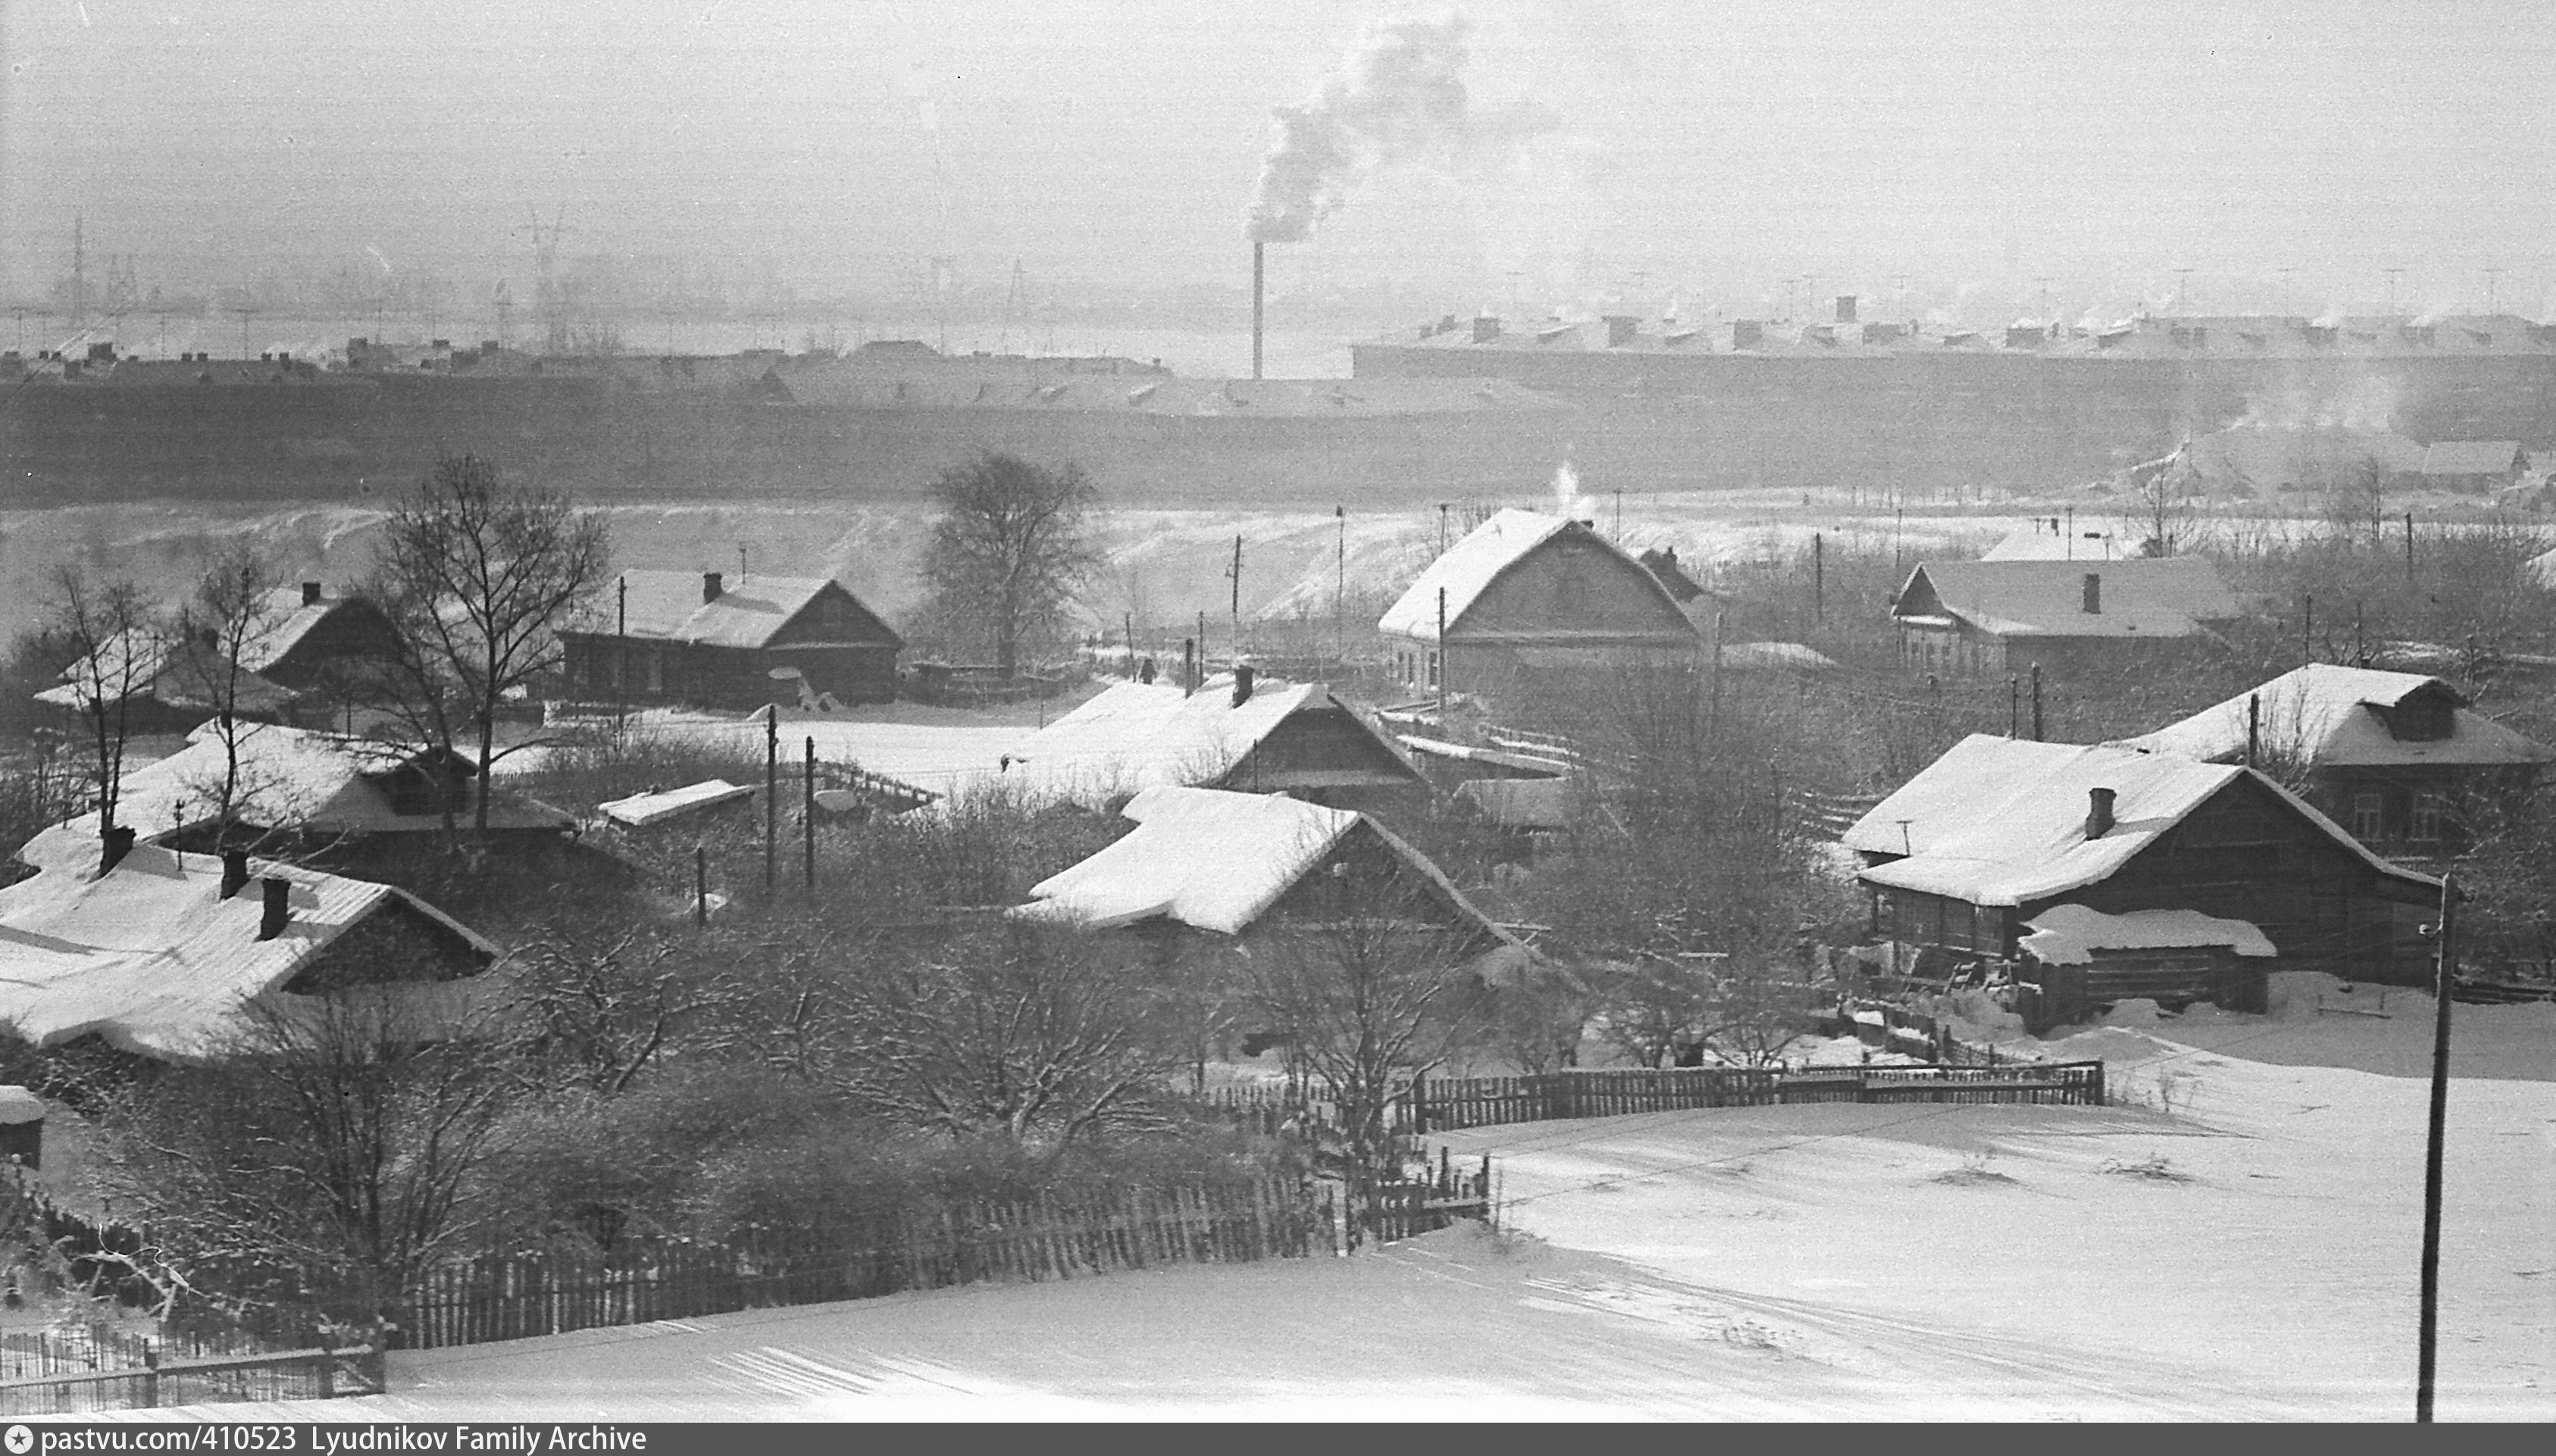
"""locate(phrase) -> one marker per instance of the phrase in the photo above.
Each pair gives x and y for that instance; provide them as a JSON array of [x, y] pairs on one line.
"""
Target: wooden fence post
[[150, 1378]]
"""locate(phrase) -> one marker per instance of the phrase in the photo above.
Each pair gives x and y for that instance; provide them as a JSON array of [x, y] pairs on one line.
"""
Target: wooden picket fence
[[506, 1296], [77, 1350], [289, 1374], [1445, 1104]]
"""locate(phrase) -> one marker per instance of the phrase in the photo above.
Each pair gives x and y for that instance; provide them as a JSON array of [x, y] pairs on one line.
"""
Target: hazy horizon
[[2057, 157]]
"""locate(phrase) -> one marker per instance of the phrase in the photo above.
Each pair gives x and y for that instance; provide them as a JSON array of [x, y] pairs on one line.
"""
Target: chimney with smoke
[[234, 872], [1242, 676]]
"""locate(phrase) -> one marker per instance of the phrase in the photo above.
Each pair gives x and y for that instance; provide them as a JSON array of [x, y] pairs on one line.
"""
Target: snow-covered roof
[[668, 606], [1215, 860], [2144, 597], [1134, 735], [289, 778], [1468, 568], [2002, 822], [1204, 857], [151, 956], [2471, 456], [2068, 935], [2322, 713], [640, 810]]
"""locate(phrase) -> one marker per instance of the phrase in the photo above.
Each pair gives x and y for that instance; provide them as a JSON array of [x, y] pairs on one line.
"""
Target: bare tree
[[2356, 500], [1018, 1031], [334, 1153], [478, 575], [1373, 988], [232, 609], [2156, 510], [118, 646], [1009, 550]]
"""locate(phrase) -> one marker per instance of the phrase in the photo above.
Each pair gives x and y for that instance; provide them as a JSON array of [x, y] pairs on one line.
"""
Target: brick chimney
[[2094, 591], [234, 872], [1242, 675], [711, 587], [279, 906], [2099, 812], [310, 593], [115, 845]]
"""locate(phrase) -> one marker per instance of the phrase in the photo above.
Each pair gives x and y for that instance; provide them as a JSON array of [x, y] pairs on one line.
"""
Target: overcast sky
[[1674, 149]]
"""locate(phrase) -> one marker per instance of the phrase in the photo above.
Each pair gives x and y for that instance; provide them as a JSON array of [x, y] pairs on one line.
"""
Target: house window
[[2368, 821], [1433, 670], [2430, 807]]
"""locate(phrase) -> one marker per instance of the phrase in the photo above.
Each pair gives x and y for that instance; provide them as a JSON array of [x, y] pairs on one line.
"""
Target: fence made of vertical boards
[[289, 1375], [515, 1295], [1445, 1104], [74, 1350]]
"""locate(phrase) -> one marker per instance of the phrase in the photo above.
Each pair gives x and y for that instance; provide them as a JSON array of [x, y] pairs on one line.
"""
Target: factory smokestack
[[1258, 284], [1398, 99]]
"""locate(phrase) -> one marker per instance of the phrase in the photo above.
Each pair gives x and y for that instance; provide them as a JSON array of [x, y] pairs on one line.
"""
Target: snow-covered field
[[2250, 1253]]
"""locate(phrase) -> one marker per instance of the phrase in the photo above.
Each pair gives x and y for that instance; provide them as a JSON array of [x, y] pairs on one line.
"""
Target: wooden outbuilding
[[682, 637]]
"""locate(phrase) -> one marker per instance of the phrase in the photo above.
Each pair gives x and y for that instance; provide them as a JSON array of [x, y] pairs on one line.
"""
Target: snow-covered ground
[[2243, 1247], [931, 747]]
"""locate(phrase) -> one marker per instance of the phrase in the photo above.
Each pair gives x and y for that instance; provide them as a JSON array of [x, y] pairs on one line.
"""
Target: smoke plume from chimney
[[1400, 98]]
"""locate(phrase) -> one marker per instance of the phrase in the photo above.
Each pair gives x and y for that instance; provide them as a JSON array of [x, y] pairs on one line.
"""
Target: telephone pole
[[2446, 961]]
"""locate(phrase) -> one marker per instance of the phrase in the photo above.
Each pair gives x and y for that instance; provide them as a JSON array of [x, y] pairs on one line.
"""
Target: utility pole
[[2391, 287], [2253, 726], [1819, 580], [2446, 963], [1341, 588], [1442, 528], [2307, 631], [2036, 704], [2409, 548], [1445, 663], [701, 886], [808, 813], [771, 791], [1236, 574], [2013, 706], [621, 653]]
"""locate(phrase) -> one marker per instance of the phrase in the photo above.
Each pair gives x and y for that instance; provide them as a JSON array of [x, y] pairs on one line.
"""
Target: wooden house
[[2397, 757], [1239, 731], [1999, 831], [304, 655], [2472, 466], [2080, 619], [321, 793], [186, 957], [659, 637], [1208, 875], [1527, 594]]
